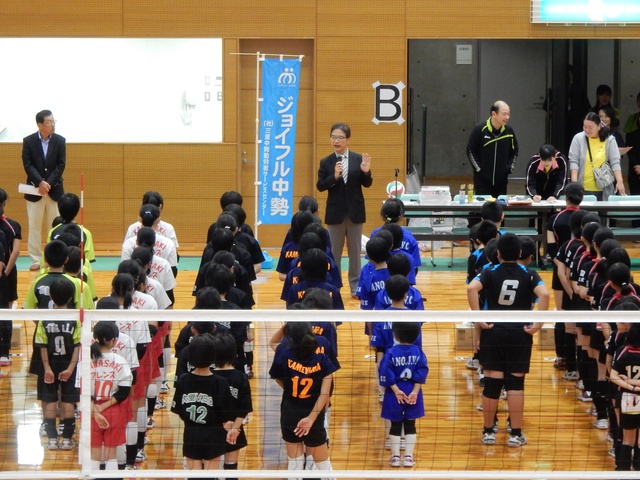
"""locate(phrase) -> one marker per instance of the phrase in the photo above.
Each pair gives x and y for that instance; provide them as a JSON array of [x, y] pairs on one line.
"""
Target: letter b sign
[[388, 103]]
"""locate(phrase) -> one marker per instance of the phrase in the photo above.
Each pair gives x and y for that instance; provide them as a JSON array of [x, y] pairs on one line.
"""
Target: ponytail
[[103, 333]]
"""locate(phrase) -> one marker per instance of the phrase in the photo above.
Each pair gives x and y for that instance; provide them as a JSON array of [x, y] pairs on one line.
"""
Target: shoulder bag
[[603, 174]]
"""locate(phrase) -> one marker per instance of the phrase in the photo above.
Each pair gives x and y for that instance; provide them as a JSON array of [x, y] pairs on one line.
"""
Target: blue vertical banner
[[280, 85]]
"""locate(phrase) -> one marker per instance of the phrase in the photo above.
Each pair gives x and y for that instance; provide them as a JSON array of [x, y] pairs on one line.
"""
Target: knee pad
[[121, 454], [511, 382], [396, 429], [492, 387], [296, 463], [132, 433], [410, 427], [152, 390], [142, 419]]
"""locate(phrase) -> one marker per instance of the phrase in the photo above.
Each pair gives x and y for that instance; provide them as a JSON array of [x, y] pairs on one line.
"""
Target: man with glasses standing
[[44, 155], [343, 174]]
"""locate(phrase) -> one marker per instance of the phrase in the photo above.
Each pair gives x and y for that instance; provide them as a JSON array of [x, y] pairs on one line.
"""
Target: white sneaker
[[488, 438], [52, 444], [394, 461], [42, 431], [141, 456], [164, 388], [571, 376], [160, 404], [473, 364], [580, 385], [66, 444], [602, 424], [517, 441], [585, 396], [150, 423], [5, 361], [408, 461]]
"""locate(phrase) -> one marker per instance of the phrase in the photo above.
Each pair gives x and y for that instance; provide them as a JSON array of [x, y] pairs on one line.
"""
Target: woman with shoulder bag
[[594, 160]]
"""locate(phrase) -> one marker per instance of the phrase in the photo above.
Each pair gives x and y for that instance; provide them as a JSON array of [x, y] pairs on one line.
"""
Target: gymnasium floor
[[559, 428]]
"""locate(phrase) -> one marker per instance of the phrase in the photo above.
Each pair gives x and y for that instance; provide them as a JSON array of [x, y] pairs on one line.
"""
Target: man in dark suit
[[44, 156], [343, 174]]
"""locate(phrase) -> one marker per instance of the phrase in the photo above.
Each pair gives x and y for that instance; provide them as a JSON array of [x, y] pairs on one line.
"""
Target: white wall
[[113, 90]]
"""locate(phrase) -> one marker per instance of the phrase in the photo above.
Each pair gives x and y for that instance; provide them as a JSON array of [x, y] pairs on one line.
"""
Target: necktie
[[345, 168]]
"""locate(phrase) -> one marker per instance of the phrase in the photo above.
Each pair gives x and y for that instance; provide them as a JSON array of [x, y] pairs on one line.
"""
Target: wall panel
[[347, 48], [71, 18], [222, 18]]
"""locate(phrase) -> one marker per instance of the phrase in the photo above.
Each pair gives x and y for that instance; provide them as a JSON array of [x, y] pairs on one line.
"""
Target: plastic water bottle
[[462, 195]]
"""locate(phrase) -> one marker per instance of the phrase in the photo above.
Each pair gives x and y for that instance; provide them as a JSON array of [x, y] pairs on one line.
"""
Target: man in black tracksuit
[[492, 151]]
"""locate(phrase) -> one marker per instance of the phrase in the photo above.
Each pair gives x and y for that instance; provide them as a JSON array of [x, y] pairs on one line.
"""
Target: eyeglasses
[[338, 137]]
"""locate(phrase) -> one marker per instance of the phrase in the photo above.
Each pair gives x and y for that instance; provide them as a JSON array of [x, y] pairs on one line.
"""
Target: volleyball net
[[562, 440]]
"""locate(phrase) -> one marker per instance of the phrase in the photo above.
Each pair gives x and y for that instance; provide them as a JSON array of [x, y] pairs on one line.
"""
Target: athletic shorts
[[629, 422], [567, 303], [289, 421], [204, 442], [397, 412], [556, 284], [143, 375], [116, 434], [48, 392], [597, 340], [587, 328], [241, 442], [506, 349]]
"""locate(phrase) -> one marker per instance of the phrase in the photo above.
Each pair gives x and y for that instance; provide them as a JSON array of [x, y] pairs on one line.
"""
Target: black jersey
[[558, 223], [301, 379], [626, 361], [240, 391], [202, 400], [509, 286], [60, 338]]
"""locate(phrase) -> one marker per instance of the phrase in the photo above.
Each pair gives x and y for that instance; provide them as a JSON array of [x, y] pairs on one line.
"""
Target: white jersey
[[138, 330], [126, 348], [143, 301], [108, 374], [160, 270], [163, 247], [163, 228], [155, 289]]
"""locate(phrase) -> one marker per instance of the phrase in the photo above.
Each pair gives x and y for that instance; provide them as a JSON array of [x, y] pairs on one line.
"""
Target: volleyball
[[395, 189]]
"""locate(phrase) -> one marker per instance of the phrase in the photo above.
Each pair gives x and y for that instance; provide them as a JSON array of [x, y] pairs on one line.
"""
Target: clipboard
[[28, 189]]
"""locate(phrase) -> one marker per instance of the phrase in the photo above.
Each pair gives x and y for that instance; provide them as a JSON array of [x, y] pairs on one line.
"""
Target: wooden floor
[[559, 428]]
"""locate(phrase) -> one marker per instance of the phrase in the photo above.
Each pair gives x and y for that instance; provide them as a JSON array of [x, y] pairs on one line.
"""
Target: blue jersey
[[412, 273], [382, 334], [301, 379], [369, 286], [413, 300], [296, 292], [293, 275], [327, 331], [408, 245], [288, 252], [404, 366]]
